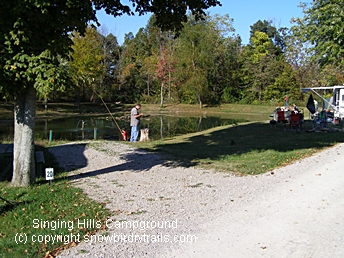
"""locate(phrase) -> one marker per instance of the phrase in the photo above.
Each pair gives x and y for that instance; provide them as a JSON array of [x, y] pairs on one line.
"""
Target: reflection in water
[[83, 123], [160, 126], [169, 126]]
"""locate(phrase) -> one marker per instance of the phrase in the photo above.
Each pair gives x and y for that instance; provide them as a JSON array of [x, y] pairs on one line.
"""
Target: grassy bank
[[249, 148]]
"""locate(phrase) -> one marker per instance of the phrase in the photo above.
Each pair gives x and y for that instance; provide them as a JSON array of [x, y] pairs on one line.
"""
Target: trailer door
[[341, 101]]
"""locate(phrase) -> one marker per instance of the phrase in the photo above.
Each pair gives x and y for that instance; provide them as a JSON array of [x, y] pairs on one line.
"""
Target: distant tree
[[268, 76], [166, 63], [87, 61], [322, 26], [149, 68], [201, 49], [111, 63], [258, 62], [231, 71], [284, 82], [34, 33], [162, 71], [273, 34]]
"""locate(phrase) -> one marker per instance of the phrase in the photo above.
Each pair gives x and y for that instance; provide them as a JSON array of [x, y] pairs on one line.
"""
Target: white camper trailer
[[336, 103]]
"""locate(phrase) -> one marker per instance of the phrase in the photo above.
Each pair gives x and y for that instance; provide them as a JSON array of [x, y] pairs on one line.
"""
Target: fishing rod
[[120, 130]]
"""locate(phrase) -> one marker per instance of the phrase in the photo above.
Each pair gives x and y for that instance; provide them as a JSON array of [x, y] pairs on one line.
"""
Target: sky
[[244, 12]]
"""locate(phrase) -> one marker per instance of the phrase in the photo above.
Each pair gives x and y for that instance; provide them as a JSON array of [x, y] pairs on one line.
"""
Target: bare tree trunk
[[23, 147], [162, 94], [169, 84]]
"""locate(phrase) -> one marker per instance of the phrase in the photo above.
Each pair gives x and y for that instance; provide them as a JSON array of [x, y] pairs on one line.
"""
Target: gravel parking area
[[161, 209]]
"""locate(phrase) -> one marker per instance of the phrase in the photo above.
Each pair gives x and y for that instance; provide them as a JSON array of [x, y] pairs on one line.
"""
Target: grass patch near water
[[248, 148]]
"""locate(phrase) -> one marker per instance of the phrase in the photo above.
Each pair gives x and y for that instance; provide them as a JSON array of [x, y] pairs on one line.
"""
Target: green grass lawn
[[45, 219], [244, 149]]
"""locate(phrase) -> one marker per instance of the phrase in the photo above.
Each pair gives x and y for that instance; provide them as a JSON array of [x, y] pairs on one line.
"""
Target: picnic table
[[6, 162], [6, 157]]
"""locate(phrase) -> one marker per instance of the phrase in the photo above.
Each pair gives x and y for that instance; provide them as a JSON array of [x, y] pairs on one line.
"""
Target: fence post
[[50, 135], [95, 133]]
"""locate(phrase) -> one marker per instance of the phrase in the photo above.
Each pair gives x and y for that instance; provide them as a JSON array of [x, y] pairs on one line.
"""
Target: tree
[[87, 64], [111, 65], [32, 35], [201, 49], [297, 53], [323, 26], [259, 63], [165, 65], [268, 75], [271, 31], [284, 83], [230, 70]]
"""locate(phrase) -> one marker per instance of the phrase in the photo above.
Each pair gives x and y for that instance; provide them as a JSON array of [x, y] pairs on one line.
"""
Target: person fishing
[[135, 122]]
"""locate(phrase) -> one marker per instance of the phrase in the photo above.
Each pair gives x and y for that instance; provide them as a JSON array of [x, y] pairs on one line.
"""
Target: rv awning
[[318, 88], [323, 88]]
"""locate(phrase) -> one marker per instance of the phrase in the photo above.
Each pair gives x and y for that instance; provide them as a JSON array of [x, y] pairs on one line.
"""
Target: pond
[[103, 127]]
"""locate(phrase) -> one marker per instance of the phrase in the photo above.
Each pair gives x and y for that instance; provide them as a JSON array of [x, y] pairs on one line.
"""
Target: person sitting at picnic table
[[295, 109]]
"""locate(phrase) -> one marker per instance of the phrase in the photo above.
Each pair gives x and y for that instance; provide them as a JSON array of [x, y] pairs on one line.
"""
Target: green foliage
[[33, 34], [332, 74], [87, 61], [273, 34], [285, 83], [201, 51], [322, 25], [260, 42]]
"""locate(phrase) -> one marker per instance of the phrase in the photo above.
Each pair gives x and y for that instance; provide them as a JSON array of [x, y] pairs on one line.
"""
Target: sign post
[[49, 174]]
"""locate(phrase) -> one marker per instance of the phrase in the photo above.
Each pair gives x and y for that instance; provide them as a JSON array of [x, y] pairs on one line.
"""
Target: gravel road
[[161, 209]]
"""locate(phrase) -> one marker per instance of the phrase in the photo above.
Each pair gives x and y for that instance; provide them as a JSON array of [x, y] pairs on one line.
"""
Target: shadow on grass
[[9, 205], [256, 141]]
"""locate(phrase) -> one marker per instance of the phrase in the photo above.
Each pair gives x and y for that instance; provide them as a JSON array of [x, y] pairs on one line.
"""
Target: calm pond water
[[77, 128]]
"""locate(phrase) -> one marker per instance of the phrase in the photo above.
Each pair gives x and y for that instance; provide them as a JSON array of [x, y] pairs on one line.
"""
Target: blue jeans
[[134, 133]]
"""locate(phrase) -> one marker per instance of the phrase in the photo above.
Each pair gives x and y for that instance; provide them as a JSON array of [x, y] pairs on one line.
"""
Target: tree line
[[206, 63]]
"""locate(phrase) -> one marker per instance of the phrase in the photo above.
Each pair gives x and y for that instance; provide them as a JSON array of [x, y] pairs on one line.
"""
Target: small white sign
[[49, 174]]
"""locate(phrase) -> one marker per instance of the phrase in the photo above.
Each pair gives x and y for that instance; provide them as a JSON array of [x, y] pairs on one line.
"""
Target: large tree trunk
[[23, 147]]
